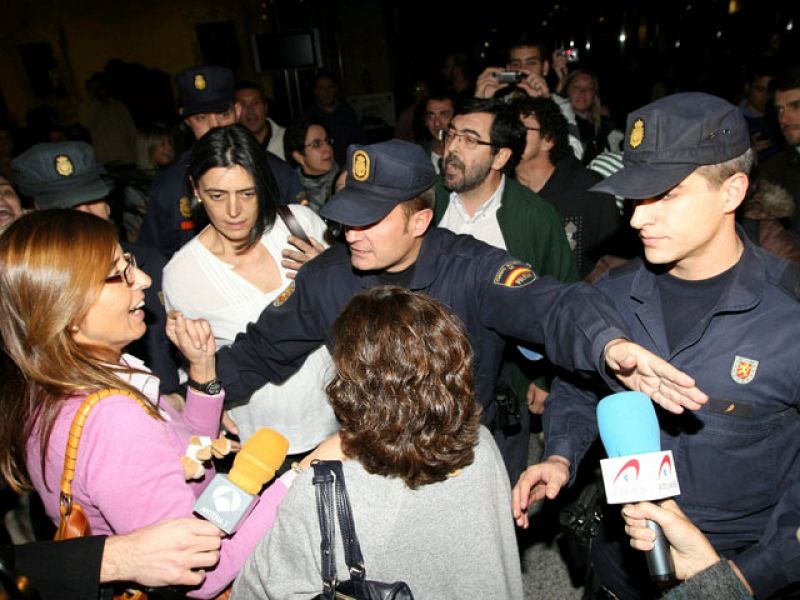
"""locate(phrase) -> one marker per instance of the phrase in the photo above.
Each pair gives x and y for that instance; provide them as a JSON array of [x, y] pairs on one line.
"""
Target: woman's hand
[[194, 339]]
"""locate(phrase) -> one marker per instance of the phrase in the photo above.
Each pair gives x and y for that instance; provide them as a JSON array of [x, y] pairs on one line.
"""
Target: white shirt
[[483, 224], [200, 285]]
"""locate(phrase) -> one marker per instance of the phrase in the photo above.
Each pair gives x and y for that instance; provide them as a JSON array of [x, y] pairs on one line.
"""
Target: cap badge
[[64, 166], [743, 369], [360, 165], [637, 134], [199, 82]]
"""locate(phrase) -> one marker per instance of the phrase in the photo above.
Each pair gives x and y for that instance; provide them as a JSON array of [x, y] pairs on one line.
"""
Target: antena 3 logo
[[226, 499]]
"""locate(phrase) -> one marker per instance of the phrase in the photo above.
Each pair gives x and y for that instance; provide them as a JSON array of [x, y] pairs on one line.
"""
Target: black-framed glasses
[[469, 140], [127, 274], [317, 144]]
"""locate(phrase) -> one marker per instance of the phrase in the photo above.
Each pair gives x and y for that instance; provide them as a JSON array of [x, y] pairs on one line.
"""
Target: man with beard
[[484, 142]]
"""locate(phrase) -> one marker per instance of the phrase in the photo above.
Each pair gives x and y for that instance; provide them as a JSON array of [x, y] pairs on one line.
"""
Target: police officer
[[206, 95], [386, 208], [66, 175], [723, 310]]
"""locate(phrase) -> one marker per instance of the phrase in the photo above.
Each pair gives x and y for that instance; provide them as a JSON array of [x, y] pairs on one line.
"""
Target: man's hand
[[487, 85], [293, 260], [645, 372], [172, 552], [559, 66], [536, 399], [538, 481], [534, 85]]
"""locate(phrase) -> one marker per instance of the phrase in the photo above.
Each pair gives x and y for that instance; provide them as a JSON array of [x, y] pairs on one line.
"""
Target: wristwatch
[[210, 388]]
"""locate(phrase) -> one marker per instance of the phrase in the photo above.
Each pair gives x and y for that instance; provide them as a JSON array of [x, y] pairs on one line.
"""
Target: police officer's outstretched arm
[[579, 328], [274, 347]]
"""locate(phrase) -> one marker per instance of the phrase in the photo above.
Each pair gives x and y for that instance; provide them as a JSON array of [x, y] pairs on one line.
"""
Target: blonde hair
[[52, 267]]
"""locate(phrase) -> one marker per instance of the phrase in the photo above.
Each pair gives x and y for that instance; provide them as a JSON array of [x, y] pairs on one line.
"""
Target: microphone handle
[[659, 559]]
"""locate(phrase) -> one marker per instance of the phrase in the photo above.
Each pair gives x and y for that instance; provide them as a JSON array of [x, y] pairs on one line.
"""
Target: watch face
[[213, 387]]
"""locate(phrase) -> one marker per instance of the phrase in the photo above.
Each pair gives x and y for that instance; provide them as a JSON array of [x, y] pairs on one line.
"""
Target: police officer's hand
[[691, 550], [538, 481], [536, 399], [643, 371], [292, 259]]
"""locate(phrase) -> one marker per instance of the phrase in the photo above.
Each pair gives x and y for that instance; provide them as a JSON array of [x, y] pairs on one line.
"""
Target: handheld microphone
[[628, 425], [228, 499]]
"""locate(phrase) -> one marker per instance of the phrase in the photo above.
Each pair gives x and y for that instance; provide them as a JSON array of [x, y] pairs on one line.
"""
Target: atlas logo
[[226, 499], [629, 471]]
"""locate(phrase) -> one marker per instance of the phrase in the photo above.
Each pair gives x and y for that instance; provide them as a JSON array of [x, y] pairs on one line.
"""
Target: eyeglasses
[[127, 275], [317, 144], [469, 140]]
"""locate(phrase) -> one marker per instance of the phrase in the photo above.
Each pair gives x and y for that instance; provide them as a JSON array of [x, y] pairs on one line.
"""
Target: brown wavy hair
[[403, 389], [53, 264]]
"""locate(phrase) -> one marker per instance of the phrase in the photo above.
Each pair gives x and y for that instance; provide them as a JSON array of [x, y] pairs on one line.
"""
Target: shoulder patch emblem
[[514, 274], [199, 82], [185, 207], [284, 295], [743, 369], [360, 165], [64, 166], [637, 134]]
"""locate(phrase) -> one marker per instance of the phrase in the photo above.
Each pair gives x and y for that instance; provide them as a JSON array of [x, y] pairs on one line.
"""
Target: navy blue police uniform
[[738, 457], [496, 296]]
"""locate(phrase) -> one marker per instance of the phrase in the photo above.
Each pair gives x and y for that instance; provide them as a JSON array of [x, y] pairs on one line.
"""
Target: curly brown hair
[[403, 389]]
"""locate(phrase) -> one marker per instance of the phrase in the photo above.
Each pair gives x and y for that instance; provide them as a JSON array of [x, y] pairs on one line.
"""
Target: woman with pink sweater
[[70, 301]]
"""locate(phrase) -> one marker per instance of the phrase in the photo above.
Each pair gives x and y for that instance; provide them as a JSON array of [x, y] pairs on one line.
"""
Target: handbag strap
[[292, 223], [323, 487], [74, 439], [331, 492]]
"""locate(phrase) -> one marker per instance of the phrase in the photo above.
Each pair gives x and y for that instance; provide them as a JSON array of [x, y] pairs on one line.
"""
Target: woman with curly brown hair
[[427, 485]]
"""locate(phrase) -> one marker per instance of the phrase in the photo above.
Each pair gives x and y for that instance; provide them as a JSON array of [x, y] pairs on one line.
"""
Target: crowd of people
[[414, 308]]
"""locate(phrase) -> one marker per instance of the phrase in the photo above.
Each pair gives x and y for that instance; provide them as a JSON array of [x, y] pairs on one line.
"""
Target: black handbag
[[332, 499]]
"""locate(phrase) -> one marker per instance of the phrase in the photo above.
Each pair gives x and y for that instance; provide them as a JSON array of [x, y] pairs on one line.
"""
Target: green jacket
[[531, 228]]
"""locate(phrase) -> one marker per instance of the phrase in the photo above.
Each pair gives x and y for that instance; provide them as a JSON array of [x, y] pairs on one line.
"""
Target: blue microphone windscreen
[[628, 424]]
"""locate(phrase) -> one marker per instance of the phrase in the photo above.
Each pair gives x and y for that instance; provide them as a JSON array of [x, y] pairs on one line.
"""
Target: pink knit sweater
[[129, 474]]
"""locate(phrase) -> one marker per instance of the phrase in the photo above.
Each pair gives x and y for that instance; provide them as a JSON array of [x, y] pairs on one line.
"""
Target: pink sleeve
[[202, 414], [130, 468], [238, 547]]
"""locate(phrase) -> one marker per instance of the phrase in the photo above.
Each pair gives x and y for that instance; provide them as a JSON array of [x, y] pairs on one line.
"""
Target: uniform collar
[[743, 291]]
